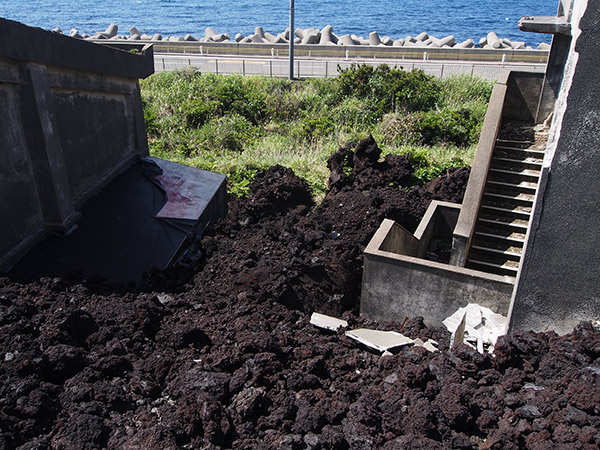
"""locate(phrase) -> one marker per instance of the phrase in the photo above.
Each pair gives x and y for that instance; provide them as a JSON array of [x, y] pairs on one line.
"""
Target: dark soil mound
[[229, 360]]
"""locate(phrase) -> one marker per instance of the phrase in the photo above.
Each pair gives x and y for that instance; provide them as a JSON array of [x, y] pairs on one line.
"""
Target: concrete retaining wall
[[350, 51], [72, 120], [398, 283], [558, 284]]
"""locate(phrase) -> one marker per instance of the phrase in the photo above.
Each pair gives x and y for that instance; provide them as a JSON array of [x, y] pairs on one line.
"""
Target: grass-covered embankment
[[236, 125]]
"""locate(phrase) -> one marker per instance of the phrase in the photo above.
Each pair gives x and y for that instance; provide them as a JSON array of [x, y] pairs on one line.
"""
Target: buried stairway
[[541, 272], [487, 231], [506, 206]]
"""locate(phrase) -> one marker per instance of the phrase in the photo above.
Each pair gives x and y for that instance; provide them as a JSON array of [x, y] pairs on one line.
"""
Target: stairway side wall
[[558, 284], [398, 282]]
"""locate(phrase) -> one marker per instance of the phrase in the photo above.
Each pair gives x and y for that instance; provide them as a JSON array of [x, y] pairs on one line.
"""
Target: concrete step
[[518, 153], [515, 188], [501, 199], [517, 211], [514, 177], [498, 245], [515, 143], [506, 236], [514, 164], [518, 225], [509, 255], [526, 174], [499, 267]]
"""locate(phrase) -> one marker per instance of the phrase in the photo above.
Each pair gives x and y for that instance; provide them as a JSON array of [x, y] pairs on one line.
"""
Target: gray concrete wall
[[559, 283], [522, 96], [72, 119], [398, 283], [354, 51], [396, 286]]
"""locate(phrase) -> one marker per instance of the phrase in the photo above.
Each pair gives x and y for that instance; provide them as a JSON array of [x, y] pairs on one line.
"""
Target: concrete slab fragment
[[430, 344], [327, 322], [379, 340], [476, 325]]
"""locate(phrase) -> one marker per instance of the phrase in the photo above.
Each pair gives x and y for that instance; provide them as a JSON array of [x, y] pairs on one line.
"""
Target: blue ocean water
[[395, 18]]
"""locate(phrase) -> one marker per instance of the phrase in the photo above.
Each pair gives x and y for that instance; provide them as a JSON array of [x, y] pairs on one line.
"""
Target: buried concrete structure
[[537, 260], [73, 122]]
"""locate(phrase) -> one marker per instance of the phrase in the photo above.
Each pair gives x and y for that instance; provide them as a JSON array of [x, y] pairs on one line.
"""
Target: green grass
[[237, 125]]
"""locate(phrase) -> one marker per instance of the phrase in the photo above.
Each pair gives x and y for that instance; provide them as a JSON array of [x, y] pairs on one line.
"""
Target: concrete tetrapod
[[346, 39], [492, 40], [311, 37], [111, 30], [374, 38], [259, 32], [469, 43], [209, 33], [327, 37], [422, 37]]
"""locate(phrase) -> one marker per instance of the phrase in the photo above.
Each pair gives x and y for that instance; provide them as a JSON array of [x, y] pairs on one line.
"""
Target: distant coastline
[[311, 36], [439, 18]]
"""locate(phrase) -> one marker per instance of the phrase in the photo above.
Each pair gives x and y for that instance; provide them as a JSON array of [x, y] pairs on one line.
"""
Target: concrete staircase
[[506, 206]]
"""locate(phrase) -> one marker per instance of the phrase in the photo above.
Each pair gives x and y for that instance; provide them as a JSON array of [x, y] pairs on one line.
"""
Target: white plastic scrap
[[327, 322], [379, 340], [481, 327]]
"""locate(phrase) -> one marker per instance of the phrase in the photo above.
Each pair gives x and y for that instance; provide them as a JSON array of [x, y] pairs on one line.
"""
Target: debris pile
[[476, 325], [224, 355]]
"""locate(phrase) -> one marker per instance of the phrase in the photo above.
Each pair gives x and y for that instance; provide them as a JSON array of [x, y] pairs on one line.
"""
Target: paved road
[[324, 67]]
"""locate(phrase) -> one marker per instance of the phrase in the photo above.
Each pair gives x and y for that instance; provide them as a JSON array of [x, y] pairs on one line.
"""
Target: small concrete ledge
[[545, 24], [398, 283]]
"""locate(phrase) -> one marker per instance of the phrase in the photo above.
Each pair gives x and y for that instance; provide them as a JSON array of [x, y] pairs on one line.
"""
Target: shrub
[[456, 126], [227, 133], [200, 111], [314, 127], [389, 89]]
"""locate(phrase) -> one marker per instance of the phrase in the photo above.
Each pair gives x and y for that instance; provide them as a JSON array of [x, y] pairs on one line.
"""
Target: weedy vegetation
[[237, 125]]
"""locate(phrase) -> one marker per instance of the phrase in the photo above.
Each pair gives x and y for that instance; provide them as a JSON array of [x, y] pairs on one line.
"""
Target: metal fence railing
[[306, 68]]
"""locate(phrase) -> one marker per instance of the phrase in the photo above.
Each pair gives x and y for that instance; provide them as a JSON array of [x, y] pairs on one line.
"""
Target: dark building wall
[[559, 284], [72, 119]]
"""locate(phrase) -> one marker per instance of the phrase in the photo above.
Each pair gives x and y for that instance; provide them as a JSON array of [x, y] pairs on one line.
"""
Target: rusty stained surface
[[189, 190]]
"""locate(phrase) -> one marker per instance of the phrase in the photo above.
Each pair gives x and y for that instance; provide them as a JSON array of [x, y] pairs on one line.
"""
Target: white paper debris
[[477, 326], [379, 340], [327, 322]]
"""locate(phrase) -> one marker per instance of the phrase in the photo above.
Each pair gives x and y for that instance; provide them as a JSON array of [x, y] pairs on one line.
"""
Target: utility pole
[[291, 36]]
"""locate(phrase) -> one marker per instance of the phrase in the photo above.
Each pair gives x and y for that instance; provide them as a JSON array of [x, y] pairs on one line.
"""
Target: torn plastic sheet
[[477, 326]]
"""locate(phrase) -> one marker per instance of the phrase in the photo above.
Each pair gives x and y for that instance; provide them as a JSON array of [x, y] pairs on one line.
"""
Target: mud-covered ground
[[219, 352]]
